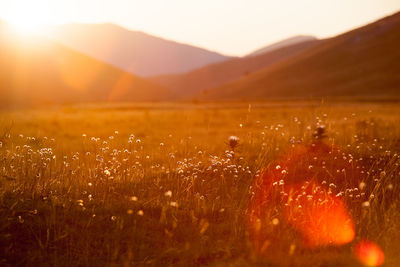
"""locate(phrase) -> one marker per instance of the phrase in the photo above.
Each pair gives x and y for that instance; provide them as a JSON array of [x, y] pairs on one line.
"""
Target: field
[[188, 184]]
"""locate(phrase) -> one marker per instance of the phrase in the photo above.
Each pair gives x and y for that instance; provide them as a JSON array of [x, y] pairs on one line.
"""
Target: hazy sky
[[233, 27]]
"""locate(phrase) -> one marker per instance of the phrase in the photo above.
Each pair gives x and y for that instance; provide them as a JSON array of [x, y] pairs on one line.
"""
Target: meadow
[[183, 184]]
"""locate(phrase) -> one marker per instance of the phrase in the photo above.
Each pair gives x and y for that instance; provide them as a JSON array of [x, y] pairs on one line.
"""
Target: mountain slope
[[36, 70], [134, 51], [192, 83], [286, 42], [362, 62]]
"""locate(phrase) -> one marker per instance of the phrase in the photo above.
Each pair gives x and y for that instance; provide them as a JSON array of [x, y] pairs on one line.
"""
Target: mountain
[[362, 62], [205, 78], [286, 42], [133, 51], [35, 70]]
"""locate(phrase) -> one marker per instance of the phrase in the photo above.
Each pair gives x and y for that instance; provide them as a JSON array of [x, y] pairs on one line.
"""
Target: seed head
[[233, 141], [320, 132]]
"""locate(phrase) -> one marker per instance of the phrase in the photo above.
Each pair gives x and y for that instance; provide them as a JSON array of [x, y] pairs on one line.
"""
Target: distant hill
[[286, 42], [362, 62], [35, 71], [133, 51], [189, 84]]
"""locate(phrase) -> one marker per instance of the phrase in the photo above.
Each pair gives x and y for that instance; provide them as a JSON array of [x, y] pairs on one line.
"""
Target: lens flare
[[369, 253], [300, 185], [322, 223]]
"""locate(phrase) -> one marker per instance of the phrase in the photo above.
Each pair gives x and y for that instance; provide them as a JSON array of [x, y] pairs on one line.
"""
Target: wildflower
[[173, 204], [140, 213], [362, 185], [365, 204], [134, 198], [275, 221], [233, 141], [168, 193]]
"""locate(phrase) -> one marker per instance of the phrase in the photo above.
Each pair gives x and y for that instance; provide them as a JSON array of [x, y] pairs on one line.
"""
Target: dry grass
[[160, 185]]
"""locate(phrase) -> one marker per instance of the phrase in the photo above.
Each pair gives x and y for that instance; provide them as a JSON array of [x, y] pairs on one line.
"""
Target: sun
[[23, 27], [28, 17]]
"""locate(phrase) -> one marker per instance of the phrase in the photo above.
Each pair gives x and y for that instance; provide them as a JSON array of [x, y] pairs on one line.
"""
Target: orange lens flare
[[299, 188], [322, 223], [369, 253]]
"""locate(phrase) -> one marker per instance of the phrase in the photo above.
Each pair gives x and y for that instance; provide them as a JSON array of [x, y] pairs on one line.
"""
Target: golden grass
[[158, 184]]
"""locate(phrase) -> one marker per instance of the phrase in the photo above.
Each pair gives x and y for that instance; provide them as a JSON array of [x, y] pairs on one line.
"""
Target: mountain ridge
[[208, 77], [134, 51], [282, 43], [361, 62]]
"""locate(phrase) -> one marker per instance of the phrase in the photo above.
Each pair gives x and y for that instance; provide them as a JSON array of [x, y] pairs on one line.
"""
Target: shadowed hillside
[[362, 62], [192, 83], [35, 70], [134, 51]]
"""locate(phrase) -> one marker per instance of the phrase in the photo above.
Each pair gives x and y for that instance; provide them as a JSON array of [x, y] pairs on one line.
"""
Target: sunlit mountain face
[[37, 70]]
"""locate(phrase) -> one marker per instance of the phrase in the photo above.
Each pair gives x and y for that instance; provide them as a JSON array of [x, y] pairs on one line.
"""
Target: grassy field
[[162, 184]]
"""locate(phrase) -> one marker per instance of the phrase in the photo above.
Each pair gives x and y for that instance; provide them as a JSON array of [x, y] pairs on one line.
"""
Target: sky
[[230, 27]]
